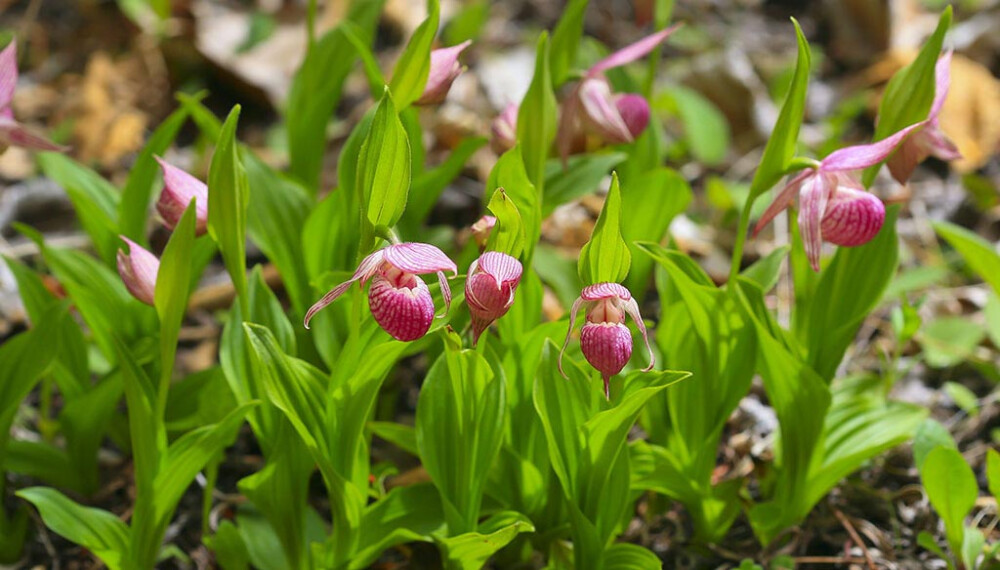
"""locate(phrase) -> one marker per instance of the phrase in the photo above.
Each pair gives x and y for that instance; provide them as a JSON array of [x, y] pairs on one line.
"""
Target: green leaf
[[566, 39], [171, 296], [910, 92], [993, 471], [652, 200], [583, 174], [94, 199], [134, 206], [948, 341], [316, 91], [706, 130], [509, 173], [536, 117], [98, 531], [606, 257], [963, 397], [929, 435], [228, 547], [471, 550], [508, 234], [977, 252], [972, 546], [402, 436], [410, 74], [228, 194], [625, 556], [384, 166], [406, 514], [766, 270], [784, 138], [459, 425], [951, 488]]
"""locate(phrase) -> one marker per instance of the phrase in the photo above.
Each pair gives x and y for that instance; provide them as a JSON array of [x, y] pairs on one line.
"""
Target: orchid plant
[[528, 449]]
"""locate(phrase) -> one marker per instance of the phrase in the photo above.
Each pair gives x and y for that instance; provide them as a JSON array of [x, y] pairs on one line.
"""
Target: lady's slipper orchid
[[927, 139], [179, 188], [833, 205], [13, 133], [593, 108], [504, 129], [399, 300], [138, 269], [482, 229], [489, 289], [445, 68], [605, 340]]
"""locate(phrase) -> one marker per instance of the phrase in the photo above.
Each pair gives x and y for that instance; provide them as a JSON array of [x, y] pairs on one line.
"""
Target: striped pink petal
[[179, 188], [600, 113], [600, 291], [784, 198], [942, 82], [405, 312], [813, 197], [505, 269], [418, 258], [853, 217], [8, 73], [607, 347], [138, 270], [631, 52], [368, 267], [445, 68], [489, 290], [862, 156]]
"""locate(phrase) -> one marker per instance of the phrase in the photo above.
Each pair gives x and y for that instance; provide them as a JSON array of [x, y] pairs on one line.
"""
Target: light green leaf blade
[[606, 257], [952, 490], [978, 253], [384, 166], [536, 117], [508, 234], [228, 194], [410, 74]]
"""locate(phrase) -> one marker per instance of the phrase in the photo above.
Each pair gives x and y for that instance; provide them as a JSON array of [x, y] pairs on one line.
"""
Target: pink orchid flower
[[179, 188], [605, 340], [927, 139], [13, 133], [834, 206], [489, 289], [504, 129], [399, 300], [616, 118], [445, 69], [482, 229], [138, 269]]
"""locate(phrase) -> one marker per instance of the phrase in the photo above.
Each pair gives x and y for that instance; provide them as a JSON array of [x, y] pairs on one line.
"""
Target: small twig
[[854, 536], [828, 560]]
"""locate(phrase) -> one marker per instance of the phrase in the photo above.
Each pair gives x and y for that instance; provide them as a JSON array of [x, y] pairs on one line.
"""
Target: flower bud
[[489, 289], [179, 188], [445, 68], [504, 130], [482, 229], [138, 269]]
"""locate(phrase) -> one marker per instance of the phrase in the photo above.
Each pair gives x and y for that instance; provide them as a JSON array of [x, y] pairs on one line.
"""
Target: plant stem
[[741, 238]]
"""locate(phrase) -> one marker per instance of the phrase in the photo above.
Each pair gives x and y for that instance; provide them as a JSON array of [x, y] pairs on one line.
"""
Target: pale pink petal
[[406, 313], [8, 73], [445, 68], [600, 291], [502, 267], [631, 52], [632, 308], [482, 229], [569, 333], [418, 258], [179, 188], [784, 199], [862, 156], [853, 217], [487, 300], [138, 270], [504, 129], [942, 81], [600, 112], [569, 130], [812, 204], [607, 347], [13, 133], [445, 291], [363, 273]]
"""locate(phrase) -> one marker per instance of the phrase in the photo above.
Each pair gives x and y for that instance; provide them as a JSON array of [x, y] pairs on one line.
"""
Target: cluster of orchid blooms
[[833, 207]]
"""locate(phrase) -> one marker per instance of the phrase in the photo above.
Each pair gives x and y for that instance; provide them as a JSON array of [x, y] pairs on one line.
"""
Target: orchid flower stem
[[741, 238], [388, 234]]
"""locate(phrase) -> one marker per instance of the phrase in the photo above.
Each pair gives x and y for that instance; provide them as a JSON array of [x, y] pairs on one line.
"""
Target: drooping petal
[[634, 110], [445, 68], [445, 290], [632, 308], [600, 291], [865, 155], [607, 347], [569, 333], [853, 217], [942, 82], [138, 270], [363, 273], [179, 188], [13, 133], [784, 198], [8, 73], [418, 258], [406, 312], [600, 113], [812, 204], [631, 52], [504, 129], [570, 130]]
